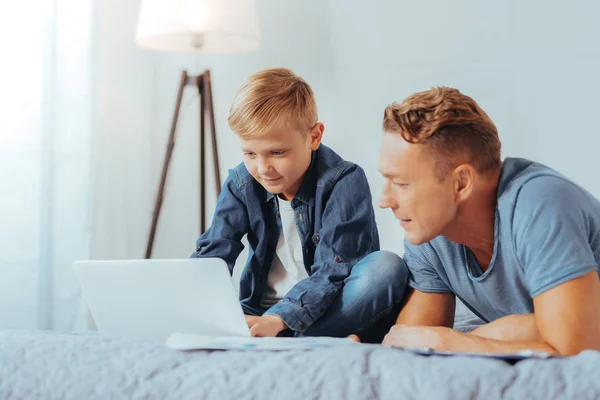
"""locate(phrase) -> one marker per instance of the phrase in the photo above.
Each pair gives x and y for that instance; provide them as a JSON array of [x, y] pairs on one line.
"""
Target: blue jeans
[[369, 302]]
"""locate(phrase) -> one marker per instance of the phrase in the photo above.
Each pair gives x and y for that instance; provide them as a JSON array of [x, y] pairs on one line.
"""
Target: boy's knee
[[385, 267]]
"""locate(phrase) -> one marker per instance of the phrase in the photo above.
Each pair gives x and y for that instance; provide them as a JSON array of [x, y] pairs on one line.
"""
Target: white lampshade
[[198, 26]]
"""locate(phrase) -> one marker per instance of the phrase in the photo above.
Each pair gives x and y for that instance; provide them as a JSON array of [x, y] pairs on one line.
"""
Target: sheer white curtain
[[45, 114]]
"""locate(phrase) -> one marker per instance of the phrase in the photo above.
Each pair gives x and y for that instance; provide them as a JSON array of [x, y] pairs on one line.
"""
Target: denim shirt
[[336, 224]]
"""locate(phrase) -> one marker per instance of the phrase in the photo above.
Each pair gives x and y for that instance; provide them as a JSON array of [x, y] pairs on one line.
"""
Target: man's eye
[[249, 154], [278, 153], [400, 184]]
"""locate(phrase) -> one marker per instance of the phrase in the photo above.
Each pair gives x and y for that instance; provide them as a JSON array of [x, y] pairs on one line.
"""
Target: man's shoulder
[[518, 174], [331, 167], [535, 185]]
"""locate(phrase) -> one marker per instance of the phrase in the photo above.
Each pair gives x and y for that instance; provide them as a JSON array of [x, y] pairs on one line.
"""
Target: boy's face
[[279, 158]]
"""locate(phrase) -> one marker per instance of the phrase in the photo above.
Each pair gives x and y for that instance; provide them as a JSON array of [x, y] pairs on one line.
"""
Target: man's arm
[[518, 327], [427, 309], [429, 300], [567, 317]]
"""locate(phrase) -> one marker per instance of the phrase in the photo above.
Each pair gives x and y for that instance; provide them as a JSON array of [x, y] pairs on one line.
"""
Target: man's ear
[[464, 179], [316, 135]]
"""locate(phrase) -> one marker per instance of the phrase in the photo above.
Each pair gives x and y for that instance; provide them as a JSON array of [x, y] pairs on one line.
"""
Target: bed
[[53, 365]]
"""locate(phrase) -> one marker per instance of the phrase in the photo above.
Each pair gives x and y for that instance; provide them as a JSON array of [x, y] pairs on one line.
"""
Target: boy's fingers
[[255, 331], [354, 337]]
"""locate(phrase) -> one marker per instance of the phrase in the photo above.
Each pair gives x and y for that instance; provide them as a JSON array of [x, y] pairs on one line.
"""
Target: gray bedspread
[[50, 365]]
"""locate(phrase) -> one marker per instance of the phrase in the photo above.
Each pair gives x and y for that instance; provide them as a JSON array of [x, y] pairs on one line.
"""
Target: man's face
[[424, 205], [279, 158]]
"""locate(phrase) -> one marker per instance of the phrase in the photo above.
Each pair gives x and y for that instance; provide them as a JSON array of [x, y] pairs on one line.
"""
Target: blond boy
[[309, 221]]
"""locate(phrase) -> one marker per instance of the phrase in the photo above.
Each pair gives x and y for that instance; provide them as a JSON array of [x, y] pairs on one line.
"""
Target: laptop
[[151, 299]]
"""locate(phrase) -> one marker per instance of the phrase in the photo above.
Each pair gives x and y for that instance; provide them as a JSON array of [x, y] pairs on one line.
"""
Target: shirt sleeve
[[553, 223], [423, 275], [223, 239]]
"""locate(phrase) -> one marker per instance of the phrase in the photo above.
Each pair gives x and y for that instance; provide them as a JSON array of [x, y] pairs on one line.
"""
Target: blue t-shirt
[[547, 232]]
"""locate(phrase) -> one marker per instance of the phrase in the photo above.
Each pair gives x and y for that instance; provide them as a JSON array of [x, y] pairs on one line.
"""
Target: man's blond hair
[[451, 125], [271, 98]]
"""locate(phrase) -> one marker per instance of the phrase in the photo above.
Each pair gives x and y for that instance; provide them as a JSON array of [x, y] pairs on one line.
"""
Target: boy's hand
[[354, 337], [267, 325]]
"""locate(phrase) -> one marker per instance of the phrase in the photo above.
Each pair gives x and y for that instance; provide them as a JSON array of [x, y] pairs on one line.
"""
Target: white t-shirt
[[287, 267]]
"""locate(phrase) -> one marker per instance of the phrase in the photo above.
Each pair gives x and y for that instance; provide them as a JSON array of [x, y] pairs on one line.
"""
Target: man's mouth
[[404, 221]]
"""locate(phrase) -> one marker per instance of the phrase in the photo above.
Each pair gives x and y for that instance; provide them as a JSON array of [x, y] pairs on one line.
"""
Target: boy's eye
[[278, 153], [399, 184], [249, 154]]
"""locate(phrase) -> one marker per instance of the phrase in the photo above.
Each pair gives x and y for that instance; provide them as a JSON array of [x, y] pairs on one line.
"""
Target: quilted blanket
[[52, 365]]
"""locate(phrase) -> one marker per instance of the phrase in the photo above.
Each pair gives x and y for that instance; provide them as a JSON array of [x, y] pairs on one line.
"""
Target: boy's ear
[[316, 135]]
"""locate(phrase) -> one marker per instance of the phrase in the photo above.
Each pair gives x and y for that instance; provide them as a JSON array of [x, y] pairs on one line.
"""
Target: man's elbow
[[574, 347]]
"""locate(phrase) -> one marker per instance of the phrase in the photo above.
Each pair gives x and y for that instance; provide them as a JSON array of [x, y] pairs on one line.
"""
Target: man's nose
[[385, 200]]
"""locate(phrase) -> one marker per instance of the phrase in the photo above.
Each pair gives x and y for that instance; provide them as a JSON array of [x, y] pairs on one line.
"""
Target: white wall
[[531, 65], [44, 161]]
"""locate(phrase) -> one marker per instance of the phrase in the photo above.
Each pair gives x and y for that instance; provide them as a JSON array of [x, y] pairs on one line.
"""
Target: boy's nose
[[263, 168]]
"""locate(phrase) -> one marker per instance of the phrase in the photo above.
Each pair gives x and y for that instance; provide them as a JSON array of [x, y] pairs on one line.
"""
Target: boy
[[308, 218]]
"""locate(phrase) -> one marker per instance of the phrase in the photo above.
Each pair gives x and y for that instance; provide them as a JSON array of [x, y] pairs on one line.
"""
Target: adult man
[[516, 241]]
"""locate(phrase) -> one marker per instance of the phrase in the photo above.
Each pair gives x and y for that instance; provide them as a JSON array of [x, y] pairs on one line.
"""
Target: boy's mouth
[[271, 180]]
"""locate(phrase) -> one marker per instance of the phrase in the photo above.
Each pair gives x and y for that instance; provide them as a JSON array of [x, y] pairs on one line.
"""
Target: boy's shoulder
[[240, 175], [330, 166]]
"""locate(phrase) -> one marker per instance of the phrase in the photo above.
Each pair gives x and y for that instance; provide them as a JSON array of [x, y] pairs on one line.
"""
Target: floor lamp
[[195, 26], [202, 84]]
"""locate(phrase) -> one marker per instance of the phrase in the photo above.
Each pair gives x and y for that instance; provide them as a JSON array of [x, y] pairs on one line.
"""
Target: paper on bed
[[517, 356], [184, 341]]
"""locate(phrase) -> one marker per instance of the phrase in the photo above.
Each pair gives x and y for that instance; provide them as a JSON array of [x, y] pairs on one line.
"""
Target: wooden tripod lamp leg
[[203, 84], [206, 109], [165, 169], [213, 131], [201, 158]]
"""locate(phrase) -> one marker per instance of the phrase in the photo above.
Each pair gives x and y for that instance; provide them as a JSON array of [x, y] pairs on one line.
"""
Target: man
[[516, 241]]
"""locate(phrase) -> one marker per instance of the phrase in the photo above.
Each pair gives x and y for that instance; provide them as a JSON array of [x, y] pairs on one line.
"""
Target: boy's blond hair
[[270, 98]]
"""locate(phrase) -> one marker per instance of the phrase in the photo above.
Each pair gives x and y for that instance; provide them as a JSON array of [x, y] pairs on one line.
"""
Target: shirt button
[[337, 259], [317, 238]]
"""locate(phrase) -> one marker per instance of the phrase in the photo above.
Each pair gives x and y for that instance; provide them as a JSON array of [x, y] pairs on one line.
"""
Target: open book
[[517, 356], [186, 341]]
